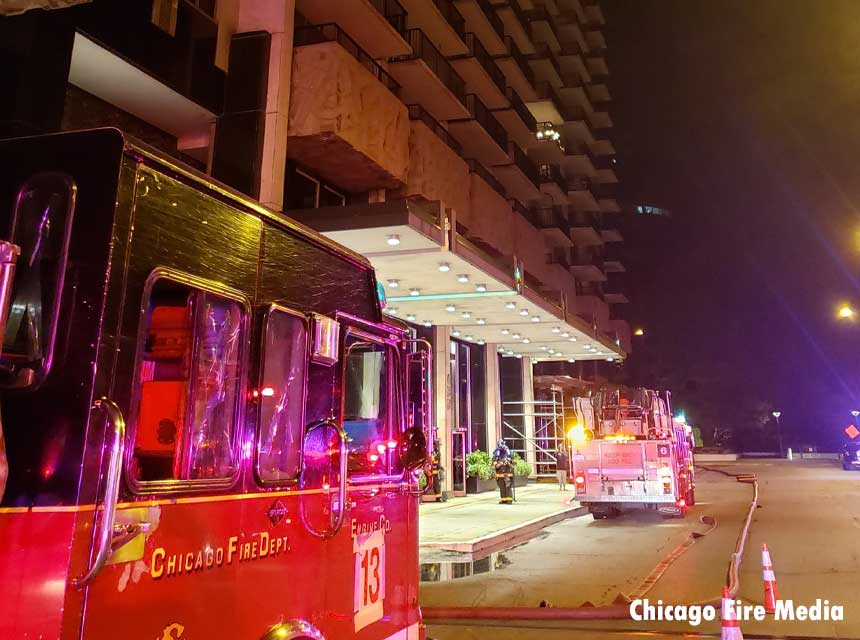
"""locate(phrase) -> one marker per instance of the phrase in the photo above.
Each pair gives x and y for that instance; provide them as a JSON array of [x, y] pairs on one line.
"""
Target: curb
[[504, 538]]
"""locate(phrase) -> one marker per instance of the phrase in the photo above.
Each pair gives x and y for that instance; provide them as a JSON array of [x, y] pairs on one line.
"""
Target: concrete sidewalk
[[479, 523]]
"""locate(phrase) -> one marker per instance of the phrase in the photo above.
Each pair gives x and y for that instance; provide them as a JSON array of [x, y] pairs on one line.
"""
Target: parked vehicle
[[851, 455], [209, 426], [639, 458]]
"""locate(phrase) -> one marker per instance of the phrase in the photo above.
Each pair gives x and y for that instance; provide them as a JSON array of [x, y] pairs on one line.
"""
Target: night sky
[[743, 117]]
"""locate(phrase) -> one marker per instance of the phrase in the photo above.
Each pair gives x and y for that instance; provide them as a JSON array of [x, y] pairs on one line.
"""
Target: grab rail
[[108, 512]]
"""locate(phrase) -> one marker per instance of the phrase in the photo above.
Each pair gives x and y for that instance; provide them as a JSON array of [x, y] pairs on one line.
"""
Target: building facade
[[461, 145]]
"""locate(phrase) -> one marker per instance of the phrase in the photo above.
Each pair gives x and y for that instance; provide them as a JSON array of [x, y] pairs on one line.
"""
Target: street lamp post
[[776, 415]]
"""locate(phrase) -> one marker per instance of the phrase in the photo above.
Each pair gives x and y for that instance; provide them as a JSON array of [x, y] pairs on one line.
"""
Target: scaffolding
[[535, 430]]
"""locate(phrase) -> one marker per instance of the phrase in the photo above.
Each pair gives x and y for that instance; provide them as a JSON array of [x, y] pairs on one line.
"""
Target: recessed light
[[535, 318], [610, 359], [466, 315], [505, 332], [481, 321], [543, 347], [565, 334], [515, 336], [450, 308], [524, 312], [480, 342], [556, 330], [481, 288], [444, 267], [571, 359], [510, 352], [414, 292], [551, 351], [393, 240], [455, 333], [427, 323], [394, 283], [526, 340], [392, 311], [510, 305], [519, 355], [463, 278], [469, 337], [411, 317], [572, 339]]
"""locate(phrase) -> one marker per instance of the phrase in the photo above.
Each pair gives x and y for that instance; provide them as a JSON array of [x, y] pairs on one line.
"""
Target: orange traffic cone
[[770, 593], [731, 629]]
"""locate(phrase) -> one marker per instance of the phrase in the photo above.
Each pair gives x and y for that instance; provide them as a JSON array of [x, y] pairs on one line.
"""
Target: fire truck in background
[[636, 457]]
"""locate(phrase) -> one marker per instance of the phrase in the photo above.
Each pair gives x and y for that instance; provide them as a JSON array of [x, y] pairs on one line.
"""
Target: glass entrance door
[[458, 463]]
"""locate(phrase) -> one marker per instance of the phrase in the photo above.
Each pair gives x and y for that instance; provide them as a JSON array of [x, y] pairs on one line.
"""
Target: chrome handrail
[[344, 453], [108, 512]]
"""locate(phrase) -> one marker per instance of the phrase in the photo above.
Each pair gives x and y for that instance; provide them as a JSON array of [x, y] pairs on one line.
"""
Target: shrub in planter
[[522, 470], [479, 465]]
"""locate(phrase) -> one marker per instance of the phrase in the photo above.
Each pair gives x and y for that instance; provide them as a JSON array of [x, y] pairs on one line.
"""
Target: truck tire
[[846, 466]]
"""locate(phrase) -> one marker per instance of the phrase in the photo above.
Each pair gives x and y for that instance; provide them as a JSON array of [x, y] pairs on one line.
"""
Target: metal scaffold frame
[[535, 430]]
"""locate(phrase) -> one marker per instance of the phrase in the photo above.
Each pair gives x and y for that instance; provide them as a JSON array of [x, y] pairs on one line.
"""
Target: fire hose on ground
[[611, 612]]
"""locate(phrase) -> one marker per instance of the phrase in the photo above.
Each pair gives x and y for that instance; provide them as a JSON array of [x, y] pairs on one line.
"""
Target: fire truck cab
[[639, 458], [210, 429]]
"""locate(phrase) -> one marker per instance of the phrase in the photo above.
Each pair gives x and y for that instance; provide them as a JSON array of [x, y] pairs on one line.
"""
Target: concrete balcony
[[572, 61], [545, 66], [520, 176], [544, 27], [605, 176], [441, 22], [548, 105], [597, 68], [547, 147], [552, 183], [611, 234], [598, 93], [600, 120], [619, 330], [482, 20], [594, 310], [580, 194], [615, 297], [481, 135], [345, 121], [584, 228], [517, 70], [517, 120], [378, 26], [427, 78], [436, 170], [576, 103], [483, 77], [517, 25], [587, 266], [578, 161], [602, 148], [556, 229], [489, 218], [595, 39], [594, 14]]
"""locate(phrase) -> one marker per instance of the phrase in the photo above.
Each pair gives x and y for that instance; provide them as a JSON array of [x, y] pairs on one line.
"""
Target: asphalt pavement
[[809, 515]]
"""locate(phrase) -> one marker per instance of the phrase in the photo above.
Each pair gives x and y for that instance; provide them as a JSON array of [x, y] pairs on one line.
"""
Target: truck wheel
[[846, 466]]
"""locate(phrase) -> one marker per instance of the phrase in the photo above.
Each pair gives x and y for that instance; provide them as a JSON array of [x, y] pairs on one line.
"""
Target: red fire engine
[[639, 457], [210, 429]]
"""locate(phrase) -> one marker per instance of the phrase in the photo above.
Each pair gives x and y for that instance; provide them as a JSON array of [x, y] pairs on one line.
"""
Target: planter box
[[477, 485], [521, 481]]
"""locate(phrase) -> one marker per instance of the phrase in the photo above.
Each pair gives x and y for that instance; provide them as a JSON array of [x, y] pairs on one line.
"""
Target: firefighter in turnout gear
[[434, 473], [503, 461]]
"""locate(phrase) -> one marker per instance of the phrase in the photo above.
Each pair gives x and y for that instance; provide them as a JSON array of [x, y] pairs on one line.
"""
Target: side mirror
[[413, 448], [324, 468]]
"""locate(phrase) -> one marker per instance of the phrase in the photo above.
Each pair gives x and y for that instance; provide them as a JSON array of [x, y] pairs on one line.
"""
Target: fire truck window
[[189, 385], [365, 406], [282, 397], [41, 228]]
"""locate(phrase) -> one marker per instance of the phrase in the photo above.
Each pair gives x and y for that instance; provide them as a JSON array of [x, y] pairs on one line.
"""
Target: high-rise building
[[460, 145]]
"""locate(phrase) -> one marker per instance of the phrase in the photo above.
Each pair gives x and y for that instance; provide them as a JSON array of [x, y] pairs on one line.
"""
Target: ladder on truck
[[534, 429]]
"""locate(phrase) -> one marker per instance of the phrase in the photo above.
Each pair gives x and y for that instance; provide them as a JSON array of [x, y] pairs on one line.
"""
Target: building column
[[528, 411], [441, 399], [493, 395], [277, 18]]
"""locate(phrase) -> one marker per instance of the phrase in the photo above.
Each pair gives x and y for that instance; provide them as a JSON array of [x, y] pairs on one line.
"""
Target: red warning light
[[852, 431]]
